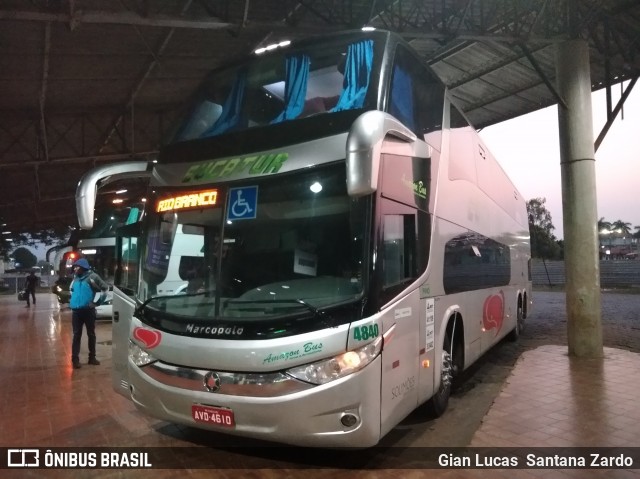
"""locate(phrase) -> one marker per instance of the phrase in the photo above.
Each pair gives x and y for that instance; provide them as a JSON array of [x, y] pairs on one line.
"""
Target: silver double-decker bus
[[326, 245]]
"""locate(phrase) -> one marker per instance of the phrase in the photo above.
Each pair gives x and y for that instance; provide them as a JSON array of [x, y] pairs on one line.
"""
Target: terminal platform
[[547, 400]]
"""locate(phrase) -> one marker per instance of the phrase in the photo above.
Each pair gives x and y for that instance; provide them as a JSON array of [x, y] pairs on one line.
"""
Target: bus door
[[124, 289], [403, 239]]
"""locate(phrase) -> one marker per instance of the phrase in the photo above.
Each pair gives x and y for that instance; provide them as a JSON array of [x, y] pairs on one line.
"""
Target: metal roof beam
[[474, 75], [542, 75], [43, 86], [615, 112], [147, 155], [482, 37], [114, 18], [141, 81]]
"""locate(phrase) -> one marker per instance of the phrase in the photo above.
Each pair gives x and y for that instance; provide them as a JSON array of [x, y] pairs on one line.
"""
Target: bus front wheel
[[438, 403]]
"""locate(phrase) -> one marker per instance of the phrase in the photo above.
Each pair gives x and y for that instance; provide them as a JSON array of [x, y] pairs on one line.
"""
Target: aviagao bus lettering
[[358, 256]]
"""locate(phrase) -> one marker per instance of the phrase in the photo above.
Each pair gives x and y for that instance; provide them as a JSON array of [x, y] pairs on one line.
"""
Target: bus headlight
[[327, 370], [139, 356]]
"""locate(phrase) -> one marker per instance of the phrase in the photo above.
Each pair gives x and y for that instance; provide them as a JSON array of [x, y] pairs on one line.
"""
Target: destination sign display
[[196, 199]]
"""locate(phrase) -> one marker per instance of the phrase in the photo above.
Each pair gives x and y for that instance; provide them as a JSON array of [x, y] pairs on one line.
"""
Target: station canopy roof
[[88, 82]]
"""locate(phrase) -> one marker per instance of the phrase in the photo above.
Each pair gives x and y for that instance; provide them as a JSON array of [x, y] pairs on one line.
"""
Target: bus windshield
[[282, 85], [282, 245]]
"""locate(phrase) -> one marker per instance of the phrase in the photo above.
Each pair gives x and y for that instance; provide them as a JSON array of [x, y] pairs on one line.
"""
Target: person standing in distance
[[84, 287], [30, 287]]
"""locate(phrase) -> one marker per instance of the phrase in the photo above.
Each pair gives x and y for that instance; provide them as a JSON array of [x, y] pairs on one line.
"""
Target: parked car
[[105, 310], [61, 289]]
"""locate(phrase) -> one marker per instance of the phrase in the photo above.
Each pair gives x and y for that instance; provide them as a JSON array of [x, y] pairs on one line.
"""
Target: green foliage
[[539, 215], [544, 244], [603, 225], [616, 229], [24, 258], [47, 237]]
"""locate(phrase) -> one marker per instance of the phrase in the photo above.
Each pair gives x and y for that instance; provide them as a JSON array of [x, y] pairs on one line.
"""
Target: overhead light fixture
[[6, 232], [117, 201], [119, 192], [273, 46]]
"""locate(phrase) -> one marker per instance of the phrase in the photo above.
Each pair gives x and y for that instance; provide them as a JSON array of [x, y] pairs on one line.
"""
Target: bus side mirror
[[88, 186], [364, 145]]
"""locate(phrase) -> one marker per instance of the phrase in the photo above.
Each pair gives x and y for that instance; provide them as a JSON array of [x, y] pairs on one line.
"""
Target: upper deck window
[[286, 85], [416, 96]]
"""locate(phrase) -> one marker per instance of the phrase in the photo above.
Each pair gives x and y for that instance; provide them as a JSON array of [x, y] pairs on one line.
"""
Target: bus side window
[[400, 260], [401, 105], [472, 262], [399, 244], [416, 96]]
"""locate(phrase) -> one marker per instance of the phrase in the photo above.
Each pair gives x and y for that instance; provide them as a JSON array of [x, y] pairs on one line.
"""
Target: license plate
[[218, 416]]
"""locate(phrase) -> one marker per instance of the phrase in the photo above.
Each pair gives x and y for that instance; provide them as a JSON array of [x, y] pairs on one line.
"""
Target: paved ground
[[620, 320], [481, 384], [35, 368]]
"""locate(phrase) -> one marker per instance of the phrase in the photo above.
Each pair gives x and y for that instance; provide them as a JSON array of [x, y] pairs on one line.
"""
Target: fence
[[622, 273], [12, 283]]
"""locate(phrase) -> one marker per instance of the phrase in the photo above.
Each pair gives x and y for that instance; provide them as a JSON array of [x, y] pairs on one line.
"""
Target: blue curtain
[[295, 87], [357, 73], [232, 108]]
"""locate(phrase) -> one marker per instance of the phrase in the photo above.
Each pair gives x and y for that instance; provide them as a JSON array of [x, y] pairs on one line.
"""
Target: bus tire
[[438, 403], [515, 332]]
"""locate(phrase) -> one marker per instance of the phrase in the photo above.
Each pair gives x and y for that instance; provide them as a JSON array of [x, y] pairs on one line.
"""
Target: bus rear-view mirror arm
[[88, 186], [364, 144]]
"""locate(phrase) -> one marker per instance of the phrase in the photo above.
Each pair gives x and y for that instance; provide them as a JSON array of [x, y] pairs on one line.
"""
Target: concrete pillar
[[579, 205]]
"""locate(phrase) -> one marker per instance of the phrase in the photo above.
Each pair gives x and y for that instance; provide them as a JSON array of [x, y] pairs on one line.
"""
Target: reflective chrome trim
[[236, 384], [88, 185]]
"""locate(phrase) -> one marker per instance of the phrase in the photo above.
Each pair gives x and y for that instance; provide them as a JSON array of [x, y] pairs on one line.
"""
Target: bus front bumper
[[314, 416]]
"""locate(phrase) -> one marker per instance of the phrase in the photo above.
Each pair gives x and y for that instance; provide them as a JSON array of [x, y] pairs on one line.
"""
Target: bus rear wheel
[[438, 403], [515, 332]]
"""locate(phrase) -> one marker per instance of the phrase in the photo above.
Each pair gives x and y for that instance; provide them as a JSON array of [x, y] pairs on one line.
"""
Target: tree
[[543, 242], [24, 258], [539, 215], [637, 233], [9, 240], [621, 227], [603, 226]]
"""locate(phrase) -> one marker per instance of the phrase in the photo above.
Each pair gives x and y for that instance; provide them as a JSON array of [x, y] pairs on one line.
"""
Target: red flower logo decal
[[147, 337], [493, 313]]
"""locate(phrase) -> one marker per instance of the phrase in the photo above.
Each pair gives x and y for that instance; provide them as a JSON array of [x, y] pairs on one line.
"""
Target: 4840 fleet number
[[362, 333]]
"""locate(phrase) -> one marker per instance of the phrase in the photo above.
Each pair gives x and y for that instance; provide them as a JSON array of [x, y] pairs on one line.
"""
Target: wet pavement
[[524, 394]]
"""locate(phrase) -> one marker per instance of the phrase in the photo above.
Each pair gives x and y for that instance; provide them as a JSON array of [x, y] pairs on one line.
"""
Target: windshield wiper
[[140, 308], [318, 313]]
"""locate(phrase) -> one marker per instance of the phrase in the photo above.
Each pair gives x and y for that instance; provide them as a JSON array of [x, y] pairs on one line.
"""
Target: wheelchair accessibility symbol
[[243, 203]]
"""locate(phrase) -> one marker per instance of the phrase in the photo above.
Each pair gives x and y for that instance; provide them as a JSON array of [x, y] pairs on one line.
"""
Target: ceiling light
[[119, 192], [273, 46]]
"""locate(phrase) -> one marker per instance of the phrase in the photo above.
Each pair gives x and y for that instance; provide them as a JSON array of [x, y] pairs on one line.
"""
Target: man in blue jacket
[[84, 287]]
